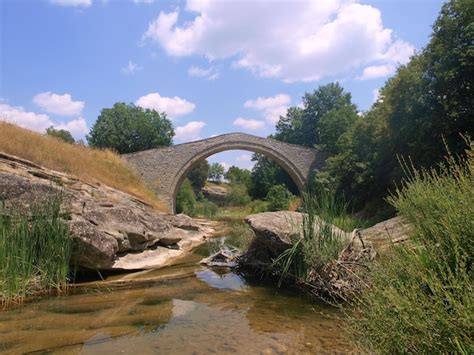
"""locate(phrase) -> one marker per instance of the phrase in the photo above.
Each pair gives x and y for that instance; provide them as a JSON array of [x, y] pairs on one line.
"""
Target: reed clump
[[35, 250]]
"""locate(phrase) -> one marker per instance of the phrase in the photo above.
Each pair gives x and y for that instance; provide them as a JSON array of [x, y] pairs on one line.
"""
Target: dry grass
[[89, 165]]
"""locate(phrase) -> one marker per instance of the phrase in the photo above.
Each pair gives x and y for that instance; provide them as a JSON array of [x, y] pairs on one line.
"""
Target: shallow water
[[184, 309]]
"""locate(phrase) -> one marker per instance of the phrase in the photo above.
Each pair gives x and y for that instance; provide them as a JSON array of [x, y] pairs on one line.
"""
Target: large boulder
[[110, 229], [277, 231]]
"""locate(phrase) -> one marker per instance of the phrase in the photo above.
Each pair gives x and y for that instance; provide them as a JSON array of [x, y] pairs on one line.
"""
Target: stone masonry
[[164, 169]]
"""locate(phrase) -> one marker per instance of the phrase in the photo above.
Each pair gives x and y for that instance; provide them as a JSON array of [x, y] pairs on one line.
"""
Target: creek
[[182, 309]]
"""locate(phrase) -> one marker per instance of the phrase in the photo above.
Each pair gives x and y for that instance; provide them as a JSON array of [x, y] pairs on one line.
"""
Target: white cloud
[[189, 132], [77, 127], [377, 71], [225, 165], [173, 106], [131, 68], [39, 122], [210, 73], [294, 41], [72, 3], [244, 157], [271, 107], [62, 105], [248, 123]]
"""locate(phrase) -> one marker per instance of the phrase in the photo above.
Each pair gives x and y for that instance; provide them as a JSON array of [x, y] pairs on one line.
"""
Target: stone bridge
[[164, 169]]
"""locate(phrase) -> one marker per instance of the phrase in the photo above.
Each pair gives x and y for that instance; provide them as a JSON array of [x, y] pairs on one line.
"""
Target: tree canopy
[[61, 134], [127, 128], [216, 172]]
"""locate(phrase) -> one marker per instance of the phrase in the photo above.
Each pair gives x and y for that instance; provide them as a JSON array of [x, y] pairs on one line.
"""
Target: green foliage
[[35, 249], [216, 172], [198, 175], [205, 208], [427, 101], [302, 125], [238, 195], [265, 174], [129, 128], [258, 206], [186, 199], [187, 203], [61, 134], [278, 198], [235, 175], [422, 291]]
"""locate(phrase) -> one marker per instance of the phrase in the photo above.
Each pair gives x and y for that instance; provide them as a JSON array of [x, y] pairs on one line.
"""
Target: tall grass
[[421, 294], [35, 249], [321, 243], [89, 165]]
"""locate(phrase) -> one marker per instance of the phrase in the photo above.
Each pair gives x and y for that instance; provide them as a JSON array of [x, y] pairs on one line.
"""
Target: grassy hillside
[[89, 165]]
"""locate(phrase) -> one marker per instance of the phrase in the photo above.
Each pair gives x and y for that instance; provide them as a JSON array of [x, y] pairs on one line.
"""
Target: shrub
[[186, 199], [61, 134], [278, 198], [421, 300], [205, 208], [238, 195], [35, 248], [258, 206]]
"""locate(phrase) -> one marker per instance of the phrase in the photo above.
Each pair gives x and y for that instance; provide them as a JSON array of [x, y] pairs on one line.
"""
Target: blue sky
[[213, 66]]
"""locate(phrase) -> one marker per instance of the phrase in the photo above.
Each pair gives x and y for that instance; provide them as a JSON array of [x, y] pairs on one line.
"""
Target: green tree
[[302, 125], [279, 198], [265, 174], [129, 128], [198, 174], [236, 175], [216, 172], [61, 134]]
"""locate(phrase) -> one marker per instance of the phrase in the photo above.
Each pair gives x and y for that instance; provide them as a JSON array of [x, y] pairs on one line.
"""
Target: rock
[[393, 230], [216, 193], [223, 258], [168, 241], [277, 231], [110, 229]]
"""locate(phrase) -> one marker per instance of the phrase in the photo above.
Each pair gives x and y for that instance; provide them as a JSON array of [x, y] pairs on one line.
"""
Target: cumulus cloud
[[131, 68], [62, 105], [173, 106], [271, 107], [72, 3], [209, 73], [39, 122], [189, 132], [377, 71], [294, 41], [249, 124]]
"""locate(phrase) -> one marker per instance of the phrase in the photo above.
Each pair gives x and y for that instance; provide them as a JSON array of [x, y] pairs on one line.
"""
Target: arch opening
[[274, 156]]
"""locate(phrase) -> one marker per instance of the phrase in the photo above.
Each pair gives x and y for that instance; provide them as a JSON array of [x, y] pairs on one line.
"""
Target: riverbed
[[182, 309]]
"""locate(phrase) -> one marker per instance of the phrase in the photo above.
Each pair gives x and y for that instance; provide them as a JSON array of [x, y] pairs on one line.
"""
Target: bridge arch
[[164, 169]]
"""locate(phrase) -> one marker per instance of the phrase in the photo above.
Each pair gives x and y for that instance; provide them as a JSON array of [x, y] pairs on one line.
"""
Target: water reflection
[[197, 311]]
